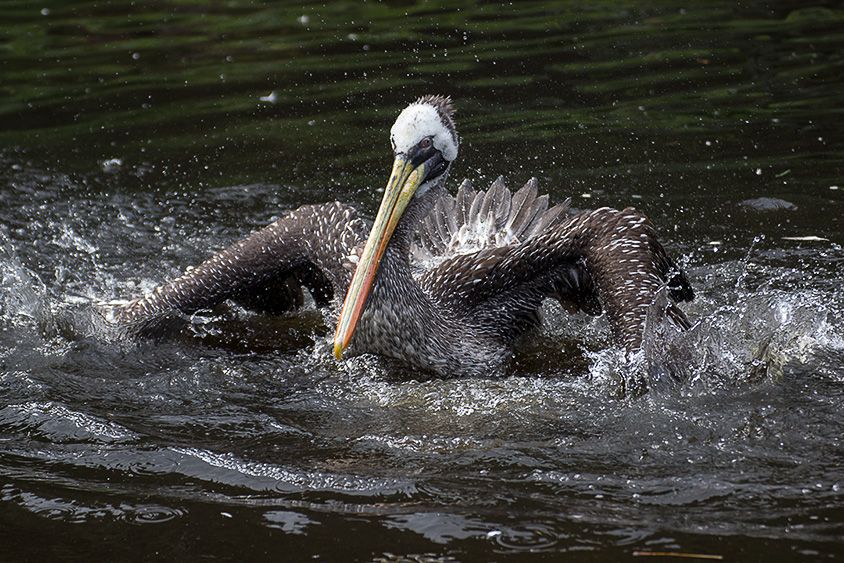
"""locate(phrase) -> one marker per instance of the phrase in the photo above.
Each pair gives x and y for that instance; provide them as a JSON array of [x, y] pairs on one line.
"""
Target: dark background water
[[136, 139]]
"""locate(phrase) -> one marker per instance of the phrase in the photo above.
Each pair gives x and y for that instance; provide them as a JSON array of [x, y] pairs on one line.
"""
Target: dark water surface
[[136, 139]]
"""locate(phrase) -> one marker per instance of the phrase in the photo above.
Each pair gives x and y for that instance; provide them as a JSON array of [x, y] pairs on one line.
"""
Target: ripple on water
[[151, 514], [441, 528], [527, 536], [228, 469], [388, 557], [59, 424], [74, 511]]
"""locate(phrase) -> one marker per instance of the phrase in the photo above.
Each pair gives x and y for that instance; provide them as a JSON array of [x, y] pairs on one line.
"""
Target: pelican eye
[[422, 151]]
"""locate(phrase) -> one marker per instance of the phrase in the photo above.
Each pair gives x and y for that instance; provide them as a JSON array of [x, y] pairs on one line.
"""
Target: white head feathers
[[429, 116]]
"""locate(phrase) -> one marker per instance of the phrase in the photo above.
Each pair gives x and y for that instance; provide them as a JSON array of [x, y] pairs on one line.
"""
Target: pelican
[[445, 283]]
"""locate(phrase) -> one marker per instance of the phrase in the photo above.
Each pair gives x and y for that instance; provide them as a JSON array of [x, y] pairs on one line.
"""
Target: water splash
[[22, 293], [746, 334]]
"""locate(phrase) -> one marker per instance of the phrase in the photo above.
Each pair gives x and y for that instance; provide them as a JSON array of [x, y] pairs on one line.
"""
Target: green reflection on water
[[622, 94]]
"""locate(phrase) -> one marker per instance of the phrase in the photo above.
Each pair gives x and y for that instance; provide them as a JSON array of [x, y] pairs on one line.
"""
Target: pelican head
[[424, 146]]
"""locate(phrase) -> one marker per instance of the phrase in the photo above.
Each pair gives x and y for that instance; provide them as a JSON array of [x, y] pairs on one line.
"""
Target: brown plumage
[[460, 279]]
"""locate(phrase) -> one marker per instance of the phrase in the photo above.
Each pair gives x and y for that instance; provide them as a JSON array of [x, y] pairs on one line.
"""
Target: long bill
[[404, 180]]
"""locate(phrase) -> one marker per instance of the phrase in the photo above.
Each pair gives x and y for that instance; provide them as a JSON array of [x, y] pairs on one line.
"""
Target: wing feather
[[471, 221], [522, 210], [312, 246], [603, 259]]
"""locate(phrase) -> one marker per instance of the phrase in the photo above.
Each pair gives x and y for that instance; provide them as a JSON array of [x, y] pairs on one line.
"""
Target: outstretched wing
[[266, 271], [598, 259], [628, 266]]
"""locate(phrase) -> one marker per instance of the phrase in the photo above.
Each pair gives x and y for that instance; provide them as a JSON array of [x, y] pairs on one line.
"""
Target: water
[[135, 141]]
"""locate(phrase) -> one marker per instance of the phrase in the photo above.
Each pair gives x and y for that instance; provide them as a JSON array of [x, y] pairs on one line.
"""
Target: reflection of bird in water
[[444, 283]]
